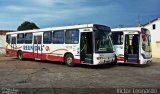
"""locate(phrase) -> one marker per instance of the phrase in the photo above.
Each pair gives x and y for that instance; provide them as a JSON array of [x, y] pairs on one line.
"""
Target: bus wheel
[[20, 56], [69, 60]]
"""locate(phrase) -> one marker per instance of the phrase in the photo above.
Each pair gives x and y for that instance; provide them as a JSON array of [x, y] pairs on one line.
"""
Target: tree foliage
[[27, 26]]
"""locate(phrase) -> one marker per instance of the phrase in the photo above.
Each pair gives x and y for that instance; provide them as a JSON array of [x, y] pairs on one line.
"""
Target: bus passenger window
[[20, 38], [47, 37], [58, 37], [72, 37], [28, 38], [117, 38], [8, 39]]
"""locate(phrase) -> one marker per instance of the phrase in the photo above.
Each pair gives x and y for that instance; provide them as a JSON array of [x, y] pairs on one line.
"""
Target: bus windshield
[[102, 40], [146, 40]]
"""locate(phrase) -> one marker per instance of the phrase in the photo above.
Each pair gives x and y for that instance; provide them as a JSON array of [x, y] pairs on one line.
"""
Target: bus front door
[[37, 47], [86, 47], [13, 46], [131, 52]]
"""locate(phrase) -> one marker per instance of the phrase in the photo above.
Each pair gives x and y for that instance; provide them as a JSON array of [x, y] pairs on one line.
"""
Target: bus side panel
[[27, 50], [52, 57], [119, 50], [10, 51], [77, 61], [28, 55], [74, 49]]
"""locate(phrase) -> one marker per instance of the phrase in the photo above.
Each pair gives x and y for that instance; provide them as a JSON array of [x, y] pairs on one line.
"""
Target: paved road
[[45, 74]]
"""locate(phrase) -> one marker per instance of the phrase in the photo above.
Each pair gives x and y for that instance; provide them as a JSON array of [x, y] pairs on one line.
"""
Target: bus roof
[[127, 29], [56, 28]]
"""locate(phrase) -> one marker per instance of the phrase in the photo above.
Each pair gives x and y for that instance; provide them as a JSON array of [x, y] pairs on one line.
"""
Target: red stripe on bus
[[31, 55], [48, 57], [28, 55], [11, 52], [120, 58], [77, 61]]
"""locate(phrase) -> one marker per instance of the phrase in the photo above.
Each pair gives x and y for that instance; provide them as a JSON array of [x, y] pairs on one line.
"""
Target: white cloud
[[61, 12], [16, 8], [52, 3], [42, 2], [53, 11]]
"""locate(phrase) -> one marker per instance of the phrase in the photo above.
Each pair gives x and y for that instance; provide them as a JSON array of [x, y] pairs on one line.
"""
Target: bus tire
[[20, 55], [69, 60]]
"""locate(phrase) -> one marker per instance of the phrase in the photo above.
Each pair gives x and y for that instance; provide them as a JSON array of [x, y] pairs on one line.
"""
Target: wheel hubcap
[[20, 56], [69, 60]]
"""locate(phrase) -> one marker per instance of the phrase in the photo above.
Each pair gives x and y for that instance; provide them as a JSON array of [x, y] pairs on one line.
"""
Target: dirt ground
[[48, 74]]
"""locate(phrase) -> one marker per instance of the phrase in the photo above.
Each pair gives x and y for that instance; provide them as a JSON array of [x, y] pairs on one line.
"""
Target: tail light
[[138, 61]]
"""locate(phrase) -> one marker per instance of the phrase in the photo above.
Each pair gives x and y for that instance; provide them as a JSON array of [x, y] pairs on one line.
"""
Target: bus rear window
[[117, 38], [8, 38]]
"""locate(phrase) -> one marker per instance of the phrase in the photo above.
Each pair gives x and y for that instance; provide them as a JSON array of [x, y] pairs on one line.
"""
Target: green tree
[[27, 26]]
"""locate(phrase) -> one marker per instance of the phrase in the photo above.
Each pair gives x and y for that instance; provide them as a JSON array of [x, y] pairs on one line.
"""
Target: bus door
[[131, 52], [37, 47], [86, 47], [13, 46]]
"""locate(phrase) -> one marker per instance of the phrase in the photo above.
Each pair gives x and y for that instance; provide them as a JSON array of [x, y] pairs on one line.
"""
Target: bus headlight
[[98, 58]]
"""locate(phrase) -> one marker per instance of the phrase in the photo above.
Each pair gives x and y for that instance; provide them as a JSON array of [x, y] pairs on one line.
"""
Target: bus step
[[132, 60], [132, 55], [88, 60], [87, 63], [89, 56]]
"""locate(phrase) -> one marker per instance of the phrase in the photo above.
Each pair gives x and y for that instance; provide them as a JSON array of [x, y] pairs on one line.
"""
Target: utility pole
[[139, 21]]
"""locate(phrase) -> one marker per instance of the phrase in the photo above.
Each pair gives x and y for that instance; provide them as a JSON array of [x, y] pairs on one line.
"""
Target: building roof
[[6, 30], [152, 21], [3, 32]]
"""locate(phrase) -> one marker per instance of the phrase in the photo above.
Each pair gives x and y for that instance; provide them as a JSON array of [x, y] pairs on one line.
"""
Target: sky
[[52, 13]]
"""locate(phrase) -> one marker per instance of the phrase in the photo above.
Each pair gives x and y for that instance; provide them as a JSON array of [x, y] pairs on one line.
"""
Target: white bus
[[78, 44], [132, 45]]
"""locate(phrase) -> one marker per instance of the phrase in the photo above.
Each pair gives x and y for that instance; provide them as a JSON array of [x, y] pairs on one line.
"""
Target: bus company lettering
[[30, 47]]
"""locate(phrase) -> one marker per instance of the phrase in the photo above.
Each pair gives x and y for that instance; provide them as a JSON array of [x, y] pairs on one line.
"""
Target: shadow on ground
[[103, 66]]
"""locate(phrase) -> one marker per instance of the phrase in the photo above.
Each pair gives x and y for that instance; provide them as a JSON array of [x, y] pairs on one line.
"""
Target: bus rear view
[[132, 45]]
